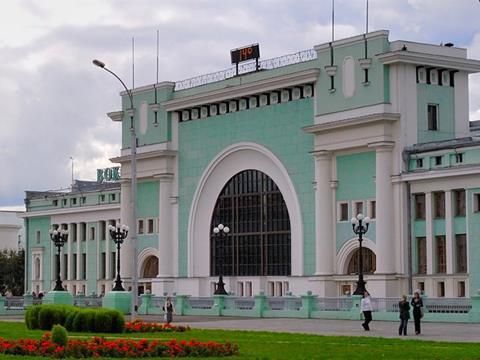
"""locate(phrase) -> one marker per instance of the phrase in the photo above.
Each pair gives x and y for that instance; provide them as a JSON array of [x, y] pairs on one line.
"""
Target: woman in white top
[[366, 307]]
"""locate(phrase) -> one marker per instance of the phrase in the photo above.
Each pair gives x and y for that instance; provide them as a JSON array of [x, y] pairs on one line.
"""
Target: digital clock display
[[245, 53]]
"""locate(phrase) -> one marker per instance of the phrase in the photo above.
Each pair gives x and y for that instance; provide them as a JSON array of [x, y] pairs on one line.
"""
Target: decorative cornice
[[115, 115], [410, 57], [74, 210], [148, 155], [361, 120], [230, 92], [434, 174]]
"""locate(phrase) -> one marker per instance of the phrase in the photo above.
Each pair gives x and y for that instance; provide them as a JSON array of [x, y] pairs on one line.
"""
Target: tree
[[12, 268]]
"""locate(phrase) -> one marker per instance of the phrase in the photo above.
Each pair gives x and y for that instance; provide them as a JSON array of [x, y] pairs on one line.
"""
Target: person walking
[[404, 308], [366, 308], [417, 305], [168, 308]]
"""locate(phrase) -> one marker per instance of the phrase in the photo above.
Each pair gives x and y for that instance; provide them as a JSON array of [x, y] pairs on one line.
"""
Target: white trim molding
[[232, 160]]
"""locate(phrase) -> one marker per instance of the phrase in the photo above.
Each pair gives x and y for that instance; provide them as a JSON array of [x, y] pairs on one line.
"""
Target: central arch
[[234, 159]]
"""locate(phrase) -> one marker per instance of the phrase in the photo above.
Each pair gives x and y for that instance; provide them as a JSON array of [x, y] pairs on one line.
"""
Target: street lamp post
[[360, 227], [118, 235], [133, 148], [59, 238], [220, 230]]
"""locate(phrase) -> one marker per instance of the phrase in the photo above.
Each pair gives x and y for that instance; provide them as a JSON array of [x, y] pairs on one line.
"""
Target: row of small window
[[83, 200], [234, 105], [146, 226], [459, 204], [440, 251], [440, 288], [72, 236], [457, 158], [442, 77], [357, 207]]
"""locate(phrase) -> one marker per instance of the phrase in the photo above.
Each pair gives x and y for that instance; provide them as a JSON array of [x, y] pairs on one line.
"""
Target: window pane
[[441, 254], [420, 206], [422, 255], [461, 250]]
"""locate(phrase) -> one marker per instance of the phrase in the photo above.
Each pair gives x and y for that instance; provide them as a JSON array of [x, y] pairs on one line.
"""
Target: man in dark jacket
[[404, 307]]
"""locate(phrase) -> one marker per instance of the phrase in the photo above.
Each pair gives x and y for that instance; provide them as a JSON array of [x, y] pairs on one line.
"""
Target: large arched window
[[150, 269], [369, 262], [258, 244]]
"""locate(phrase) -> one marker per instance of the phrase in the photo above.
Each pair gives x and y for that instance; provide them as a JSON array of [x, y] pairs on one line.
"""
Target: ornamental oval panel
[[348, 77], [143, 117]]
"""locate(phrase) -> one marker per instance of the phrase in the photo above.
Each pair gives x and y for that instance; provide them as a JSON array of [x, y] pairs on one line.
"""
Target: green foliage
[[31, 317], [59, 335], [12, 266], [74, 318]]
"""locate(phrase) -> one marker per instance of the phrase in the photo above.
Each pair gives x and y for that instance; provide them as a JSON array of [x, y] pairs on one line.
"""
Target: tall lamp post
[[133, 148], [59, 238], [360, 227], [118, 234], [220, 230]]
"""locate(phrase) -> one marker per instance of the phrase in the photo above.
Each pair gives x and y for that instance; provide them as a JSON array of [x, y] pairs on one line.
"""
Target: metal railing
[[238, 303], [284, 303], [385, 304], [333, 304], [14, 303], [200, 302], [268, 64], [448, 305]]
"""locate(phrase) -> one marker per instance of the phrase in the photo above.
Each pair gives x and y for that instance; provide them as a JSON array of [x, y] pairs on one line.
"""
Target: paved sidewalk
[[457, 332]]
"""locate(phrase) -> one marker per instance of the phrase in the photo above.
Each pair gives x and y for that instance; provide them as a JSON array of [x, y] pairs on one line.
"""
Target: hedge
[[74, 318]]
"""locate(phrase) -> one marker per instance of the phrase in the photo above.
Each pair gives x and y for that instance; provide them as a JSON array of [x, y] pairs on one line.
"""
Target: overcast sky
[[54, 101]]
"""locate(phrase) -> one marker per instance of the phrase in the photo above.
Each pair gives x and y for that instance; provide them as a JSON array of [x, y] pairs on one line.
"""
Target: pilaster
[[449, 232], [429, 231], [165, 240]]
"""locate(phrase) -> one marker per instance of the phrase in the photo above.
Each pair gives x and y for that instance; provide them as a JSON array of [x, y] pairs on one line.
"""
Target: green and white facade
[[337, 131]]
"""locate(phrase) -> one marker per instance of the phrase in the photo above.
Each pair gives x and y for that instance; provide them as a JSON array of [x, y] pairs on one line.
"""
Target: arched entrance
[[369, 262], [259, 242], [150, 269]]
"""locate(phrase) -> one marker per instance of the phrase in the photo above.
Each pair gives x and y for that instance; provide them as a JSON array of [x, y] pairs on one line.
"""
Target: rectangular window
[[113, 265], [103, 266], [102, 228], [421, 286], [84, 266], [65, 266], [373, 209], [92, 233], [83, 231], [113, 197], [64, 202], [55, 202], [441, 254], [438, 160], [420, 207], [476, 202], [358, 208], [422, 255], [459, 158], [432, 117], [461, 251], [73, 232], [74, 267], [439, 204], [84, 200], [459, 198], [140, 227], [102, 198], [419, 163], [344, 212], [37, 237], [150, 226], [441, 289], [74, 201], [461, 289]]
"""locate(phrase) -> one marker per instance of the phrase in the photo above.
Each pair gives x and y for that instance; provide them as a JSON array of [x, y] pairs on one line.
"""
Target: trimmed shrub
[[59, 335], [31, 317], [74, 318]]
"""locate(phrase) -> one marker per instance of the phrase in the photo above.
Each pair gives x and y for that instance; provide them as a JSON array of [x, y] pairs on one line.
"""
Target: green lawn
[[267, 345]]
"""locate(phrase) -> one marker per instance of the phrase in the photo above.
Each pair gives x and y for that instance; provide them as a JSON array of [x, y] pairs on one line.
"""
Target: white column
[[324, 249], [384, 206], [165, 239], [449, 231], [70, 251], [429, 231], [126, 251], [79, 253], [108, 257]]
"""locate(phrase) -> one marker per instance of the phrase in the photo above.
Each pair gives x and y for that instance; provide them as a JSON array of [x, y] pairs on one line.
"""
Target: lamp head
[[216, 230], [360, 217], [354, 221], [220, 226], [366, 220], [226, 229], [98, 63]]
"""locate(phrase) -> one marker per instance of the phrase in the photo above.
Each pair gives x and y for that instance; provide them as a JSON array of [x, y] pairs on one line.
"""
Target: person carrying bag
[[168, 308]]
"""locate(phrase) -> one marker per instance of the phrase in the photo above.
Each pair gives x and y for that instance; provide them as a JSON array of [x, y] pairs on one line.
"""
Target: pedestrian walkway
[[458, 332]]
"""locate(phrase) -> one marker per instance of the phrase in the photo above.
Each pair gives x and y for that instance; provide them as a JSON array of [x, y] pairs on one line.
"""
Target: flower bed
[[119, 348], [139, 326]]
